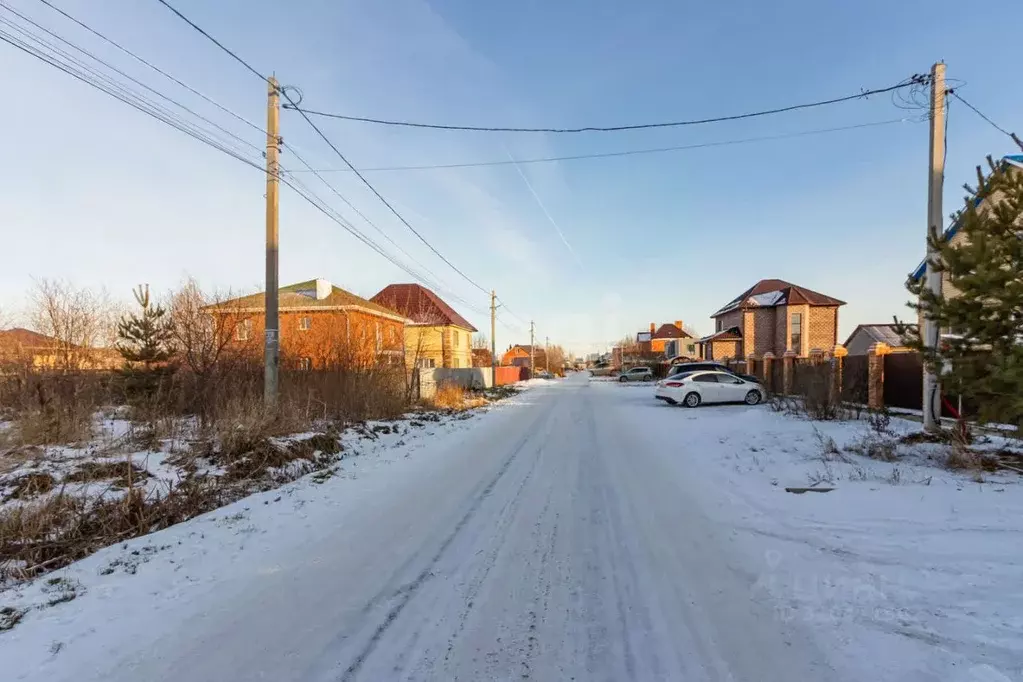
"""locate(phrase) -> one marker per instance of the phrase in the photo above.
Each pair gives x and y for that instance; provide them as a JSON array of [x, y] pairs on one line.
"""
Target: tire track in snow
[[406, 592]]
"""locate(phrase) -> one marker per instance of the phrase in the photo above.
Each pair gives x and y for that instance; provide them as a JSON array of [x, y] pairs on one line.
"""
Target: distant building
[[435, 335], [867, 335]]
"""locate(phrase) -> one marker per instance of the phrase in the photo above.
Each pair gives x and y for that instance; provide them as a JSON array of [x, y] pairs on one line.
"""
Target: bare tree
[[77, 319], [480, 341], [201, 338]]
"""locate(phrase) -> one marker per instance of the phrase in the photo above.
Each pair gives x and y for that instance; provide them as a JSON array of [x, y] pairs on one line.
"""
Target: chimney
[[653, 326], [678, 323], [323, 288]]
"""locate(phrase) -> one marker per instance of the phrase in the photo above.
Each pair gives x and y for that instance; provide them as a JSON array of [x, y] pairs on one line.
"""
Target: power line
[[981, 114], [284, 91], [110, 87], [109, 66], [627, 152], [154, 67], [912, 80], [127, 97], [212, 39]]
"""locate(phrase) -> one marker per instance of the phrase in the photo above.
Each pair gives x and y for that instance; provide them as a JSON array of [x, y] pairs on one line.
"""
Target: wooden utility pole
[[493, 338], [272, 351], [935, 186], [531, 345]]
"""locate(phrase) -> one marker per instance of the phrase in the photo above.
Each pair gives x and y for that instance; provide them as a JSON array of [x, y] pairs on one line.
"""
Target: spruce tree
[[144, 339], [980, 352]]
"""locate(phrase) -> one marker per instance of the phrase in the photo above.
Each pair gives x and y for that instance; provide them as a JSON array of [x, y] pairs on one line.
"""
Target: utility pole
[[493, 338], [935, 186], [531, 327], [272, 351], [547, 354]]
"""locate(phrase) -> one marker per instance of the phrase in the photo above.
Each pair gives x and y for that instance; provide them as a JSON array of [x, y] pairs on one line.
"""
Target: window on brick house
[[796, 339], [243, 330], [454, 338], [719, 324], [425, 363], [305, 363], [304, 323]]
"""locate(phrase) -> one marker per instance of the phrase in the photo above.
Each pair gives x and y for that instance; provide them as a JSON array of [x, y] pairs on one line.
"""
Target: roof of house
[[25, 337], [730, 334], [881, 333], [303, 296], [774, 292], [950, 231], [669, 331], [420, 305]]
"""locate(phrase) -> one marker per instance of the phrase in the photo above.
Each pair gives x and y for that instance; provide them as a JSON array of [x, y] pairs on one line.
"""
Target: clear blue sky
[[101, 195]]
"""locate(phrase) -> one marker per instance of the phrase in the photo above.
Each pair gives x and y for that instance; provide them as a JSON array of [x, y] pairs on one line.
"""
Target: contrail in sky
[[542, 207]]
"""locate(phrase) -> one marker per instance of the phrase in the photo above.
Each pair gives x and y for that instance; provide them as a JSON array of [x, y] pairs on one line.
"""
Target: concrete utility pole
[[272, 355], [531, 344], [493, 337], [547, 354], [935, 186]]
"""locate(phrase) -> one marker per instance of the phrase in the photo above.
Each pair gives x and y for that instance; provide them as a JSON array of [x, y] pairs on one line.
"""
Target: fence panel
[[776, 378], [903, 380], [855, 375]]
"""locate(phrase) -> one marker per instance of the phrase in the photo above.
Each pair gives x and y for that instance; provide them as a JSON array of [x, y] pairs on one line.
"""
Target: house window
[[425, 363], [454, 362], [243, 330], [305, 363], [454, 338], [304, 323], [719, 324], [796, 339]]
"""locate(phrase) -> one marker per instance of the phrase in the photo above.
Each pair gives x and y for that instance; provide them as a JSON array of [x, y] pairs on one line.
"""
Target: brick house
[[1012, 163], [518, 356], [773, 316], [321, 326], [24, 348], [435, 335], [668, 340]]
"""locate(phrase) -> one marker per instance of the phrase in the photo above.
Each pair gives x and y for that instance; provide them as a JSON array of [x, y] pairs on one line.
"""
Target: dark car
[[708, 367]]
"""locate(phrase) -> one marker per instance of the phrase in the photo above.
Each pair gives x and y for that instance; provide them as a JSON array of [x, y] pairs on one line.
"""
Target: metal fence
[[903, 379], [855, 377]]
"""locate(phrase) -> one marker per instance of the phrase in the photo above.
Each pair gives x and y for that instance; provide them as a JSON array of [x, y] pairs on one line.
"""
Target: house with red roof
[[435, 334], [773, 316]]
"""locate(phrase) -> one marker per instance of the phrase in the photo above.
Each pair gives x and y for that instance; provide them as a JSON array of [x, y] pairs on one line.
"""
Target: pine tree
[[145, 338], [982, 358]]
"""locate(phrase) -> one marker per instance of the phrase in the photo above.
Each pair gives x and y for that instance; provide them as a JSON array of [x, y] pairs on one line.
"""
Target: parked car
[[687, 367], [637, 374], [693, 389]]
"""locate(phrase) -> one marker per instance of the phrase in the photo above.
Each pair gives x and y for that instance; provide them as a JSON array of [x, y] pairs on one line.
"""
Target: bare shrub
[[880, 420], [829, 450], [77, 319], [876, 447]]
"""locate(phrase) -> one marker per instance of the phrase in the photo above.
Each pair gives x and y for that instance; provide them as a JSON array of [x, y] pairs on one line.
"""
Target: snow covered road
[[558, 537]]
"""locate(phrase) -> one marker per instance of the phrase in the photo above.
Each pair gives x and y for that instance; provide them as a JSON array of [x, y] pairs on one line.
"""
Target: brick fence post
[[875, 375], [768, 377], [787, 364]]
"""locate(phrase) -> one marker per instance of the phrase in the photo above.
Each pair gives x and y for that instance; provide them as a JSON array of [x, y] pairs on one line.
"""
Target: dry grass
[[29, 485], [120, 474]]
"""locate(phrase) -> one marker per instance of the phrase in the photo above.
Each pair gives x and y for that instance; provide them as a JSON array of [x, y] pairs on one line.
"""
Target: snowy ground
[[577, 531]]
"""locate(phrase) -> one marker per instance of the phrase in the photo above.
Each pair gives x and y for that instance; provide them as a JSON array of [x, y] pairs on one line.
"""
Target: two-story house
[[435, 335], [773, 316], [321, 326], [668, 340], [518, 356]]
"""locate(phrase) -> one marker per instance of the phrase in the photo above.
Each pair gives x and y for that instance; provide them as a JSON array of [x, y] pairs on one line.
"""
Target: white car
[[708, 387]]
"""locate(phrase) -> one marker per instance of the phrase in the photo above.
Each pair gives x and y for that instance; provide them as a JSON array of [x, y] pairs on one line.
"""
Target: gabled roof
[[880, 333], [26, 338], [669, 331], [951, 231], [303, 296], [730, 334], [768, 293], [420, 305]]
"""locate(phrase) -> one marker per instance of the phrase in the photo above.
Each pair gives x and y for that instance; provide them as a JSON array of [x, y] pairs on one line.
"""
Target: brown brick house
[[435, 335], [773, 316], [321, 325]]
